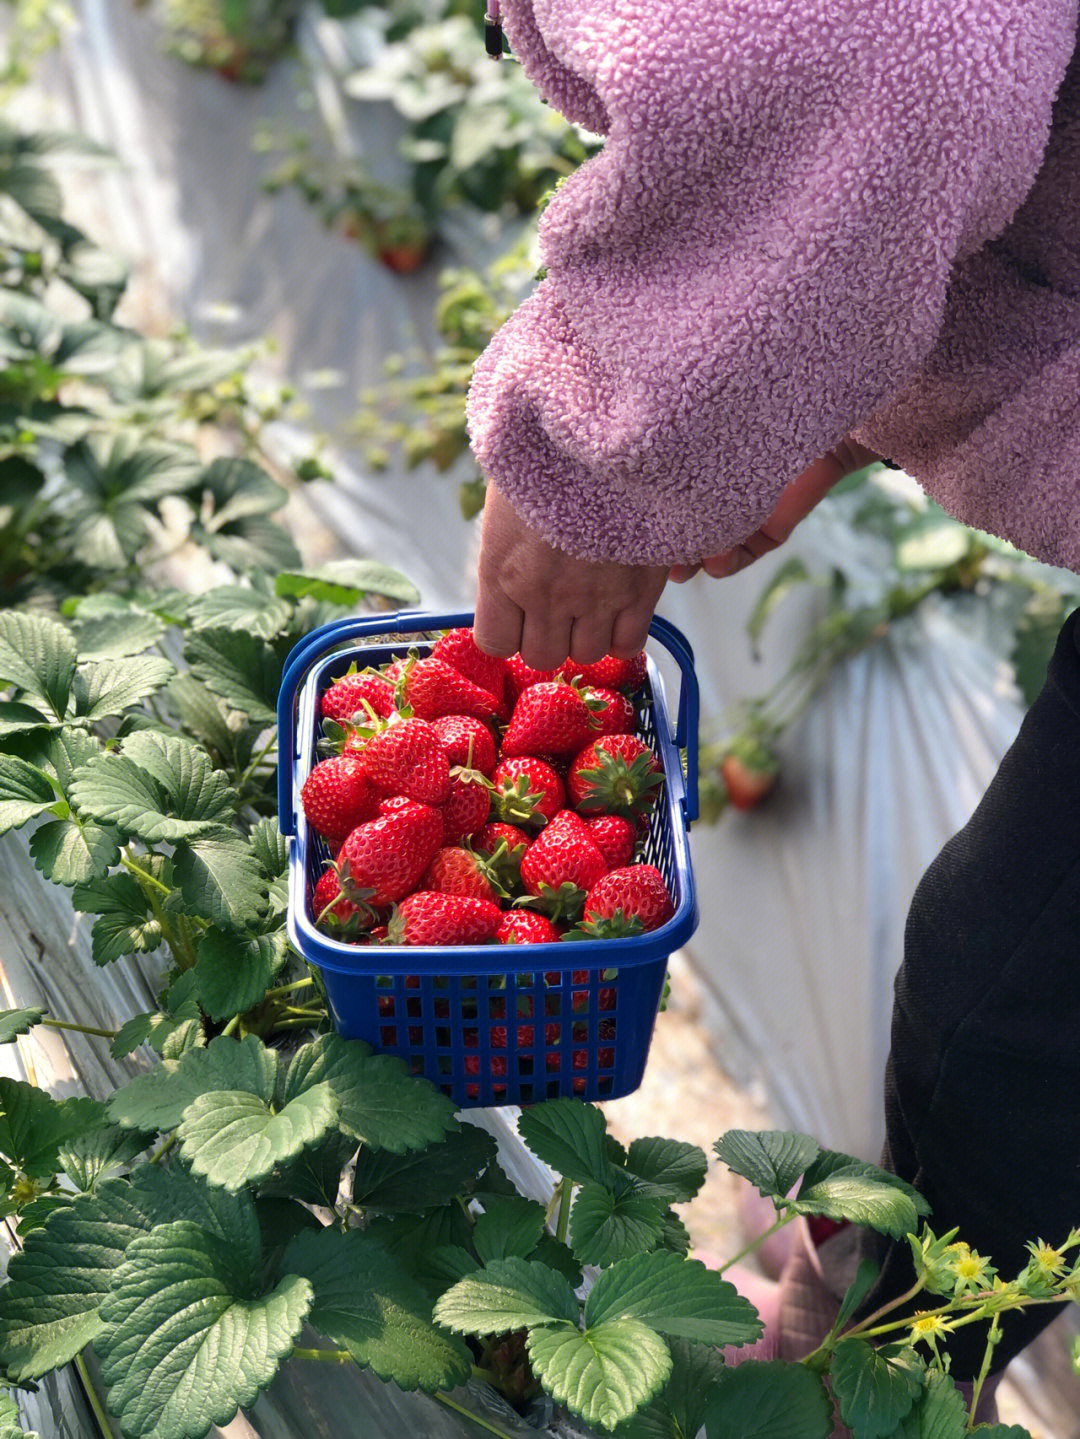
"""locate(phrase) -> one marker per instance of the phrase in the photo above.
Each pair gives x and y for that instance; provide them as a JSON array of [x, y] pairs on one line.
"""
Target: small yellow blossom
[[1047, 1260], [972, 1271], [929, 1326]]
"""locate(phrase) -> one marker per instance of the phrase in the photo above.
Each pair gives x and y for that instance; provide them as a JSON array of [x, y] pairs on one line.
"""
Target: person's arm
[[758, 258]]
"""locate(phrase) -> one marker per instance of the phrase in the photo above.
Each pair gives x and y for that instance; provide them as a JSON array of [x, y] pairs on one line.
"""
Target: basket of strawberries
[[489, 864]]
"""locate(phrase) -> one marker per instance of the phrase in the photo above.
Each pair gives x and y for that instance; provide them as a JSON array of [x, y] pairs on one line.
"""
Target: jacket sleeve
[[759, 257], [990, 424]]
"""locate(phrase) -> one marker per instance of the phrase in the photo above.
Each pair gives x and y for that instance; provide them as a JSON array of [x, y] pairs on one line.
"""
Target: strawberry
[[467, 807], [374, 936], [527, 790], [614, 836], [458, 649], [383, 859], [519, 676], [346, 696], [329, 906], [616, 774], [627, 901], [407, 758], [338, 795], [521, 926], [613, 712], [456, 731], [434, 688], [748, 778], [550, 717], [456, 871], [609, 673], [504, 845], [426, 917], [562, 864]]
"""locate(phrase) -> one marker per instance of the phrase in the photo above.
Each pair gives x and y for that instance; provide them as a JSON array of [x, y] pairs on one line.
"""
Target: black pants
[[982, 1089]]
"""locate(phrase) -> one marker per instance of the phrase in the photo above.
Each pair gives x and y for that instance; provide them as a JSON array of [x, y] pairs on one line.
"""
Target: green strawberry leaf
[[670, 1169], [557, 1256], [126, 925], [772, 1159], [110, 686], [414, 1238], [25, 793], [234, 971], [314, 1176], [37, 655], [89, 1158], [606, 1225], [11, 1423], [238, 489], [366, 1301], [220, 879], [74, 851], [157, 1100], [233, 1137], [508, 1294], [874, 1389], [345, 582], [14, 1022], [162, 788], [508, 1228], [605, 1374], [415, 1182], [859, 1288], [238, 607], [675, 1236], [57, 1282], [381, 1103], [679, 1410], [250, 544], [207, 717], [844, 1188], [18, 718], [569, 1135], [33, 1126], [243, 669], [270, 846], [185, 1340], [677, 1297], [116, 635], [770, 1400], [939, 1413], [783, 579]]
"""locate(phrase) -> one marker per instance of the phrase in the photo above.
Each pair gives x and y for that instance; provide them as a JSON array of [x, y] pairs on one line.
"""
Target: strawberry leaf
[[677, 1297], [507, 1294], [233, 1137], [939, 1413], [605, 1374], [345, 582], [242, 668], [772, 1159], [240, 607], [73, 851], [606, 1226], [569, 1135], [509, 1227], [185, 1339], [158, 1099], [678, 1411], [366, 1301], [11, 1423], [669, 1168], [412, 1183], [771, 1400], [25, 792], [840, 1187], [875, 1389], [33, 1126], [220, 879], [37, 655], [115, 635], [126, 925], [163, 787], [234, 971], [14, 1022], [110, 686]]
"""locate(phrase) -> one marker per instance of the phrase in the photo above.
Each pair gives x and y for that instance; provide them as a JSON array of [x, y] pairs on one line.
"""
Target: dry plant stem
[[93, 1398], [991, 1344], [485, 1424]]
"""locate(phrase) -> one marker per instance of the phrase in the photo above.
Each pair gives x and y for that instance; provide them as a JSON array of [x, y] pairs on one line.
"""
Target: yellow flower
[[972, 1271], [929, 1326], [1049, 1261]]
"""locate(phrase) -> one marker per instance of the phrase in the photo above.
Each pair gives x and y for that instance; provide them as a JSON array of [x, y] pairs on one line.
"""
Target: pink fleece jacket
[[809, 218]]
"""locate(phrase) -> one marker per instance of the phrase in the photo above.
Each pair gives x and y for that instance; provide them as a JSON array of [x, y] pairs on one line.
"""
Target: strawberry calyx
[[614, 926], [357, 894], [518, 803], [614, 786], [563, 901]]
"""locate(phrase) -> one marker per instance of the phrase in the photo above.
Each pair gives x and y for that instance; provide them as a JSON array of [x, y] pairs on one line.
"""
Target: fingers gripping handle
[[321, 641]]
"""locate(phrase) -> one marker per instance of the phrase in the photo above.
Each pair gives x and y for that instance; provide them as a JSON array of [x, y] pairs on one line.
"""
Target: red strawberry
[[338, 795], [426, 917], [505, 846], [456, 871], [527, 790], [614, 836], [346, 696], [456, 731], [434, 688], [459, 649], [612, 711], [627, 901], [610, 673], [382, 860], [466, 808], [498, 1067], [374, 936], [519, 676], [561, 863], [323, 907], [616, 774], [550, 717], [521, 926], [407, 758], [749, 778]]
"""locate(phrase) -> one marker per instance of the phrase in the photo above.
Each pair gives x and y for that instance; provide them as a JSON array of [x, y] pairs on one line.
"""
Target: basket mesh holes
[[497, 1007], [412, 1008], [416, 1034], [525, 1065], [388, 1034], [442, 1036], [605, 1086], [526, 1093], [386, 1006], [579, 1031], [551, 1004]]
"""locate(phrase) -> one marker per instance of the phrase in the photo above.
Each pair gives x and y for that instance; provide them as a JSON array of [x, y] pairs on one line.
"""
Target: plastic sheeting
[[803, 902]]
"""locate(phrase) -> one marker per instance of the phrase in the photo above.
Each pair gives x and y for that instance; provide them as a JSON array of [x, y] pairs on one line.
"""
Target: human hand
[[550, 606], [796, 501]]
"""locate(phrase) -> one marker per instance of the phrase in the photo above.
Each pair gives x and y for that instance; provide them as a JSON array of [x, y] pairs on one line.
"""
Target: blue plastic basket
[[493, 1024]]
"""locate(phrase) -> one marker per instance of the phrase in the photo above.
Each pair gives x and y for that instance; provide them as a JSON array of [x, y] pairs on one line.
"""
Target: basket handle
[[686, 726], [327, 637]]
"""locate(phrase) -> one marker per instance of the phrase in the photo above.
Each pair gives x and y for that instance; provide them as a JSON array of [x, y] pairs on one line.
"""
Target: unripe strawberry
[[345, 697], [550, 717], [455, 734], [458, 649], [425, 917], [614, 836], [407, 758], [337, 796], [527, 790]]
